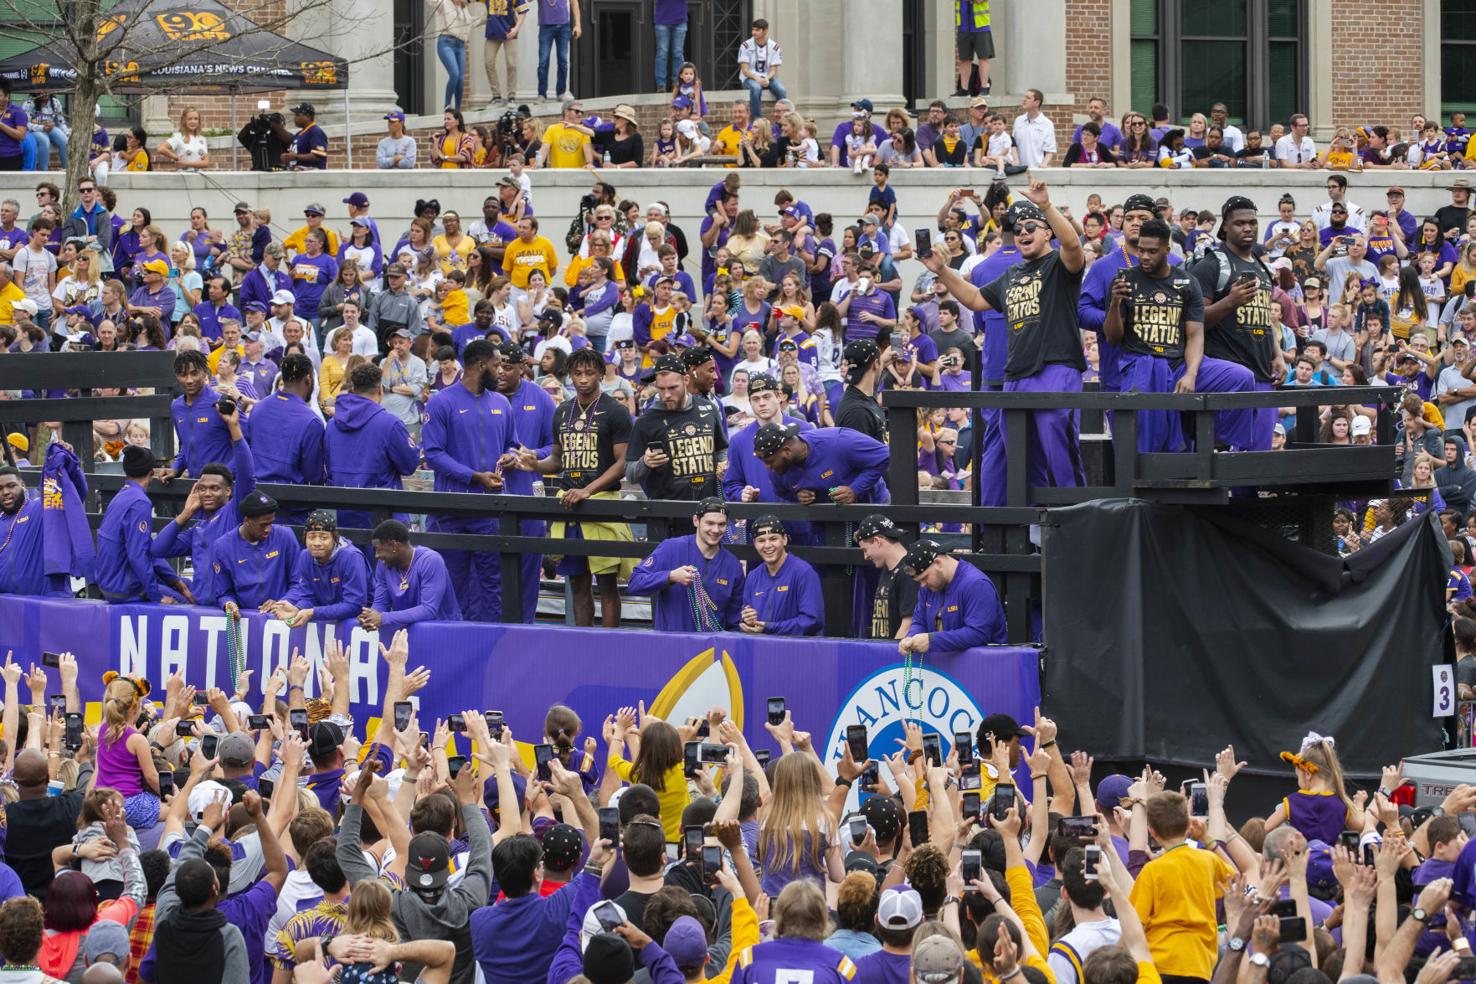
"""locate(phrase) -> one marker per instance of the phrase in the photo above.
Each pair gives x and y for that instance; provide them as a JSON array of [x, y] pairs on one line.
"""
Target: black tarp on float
[[155, 46], [1173, 631]]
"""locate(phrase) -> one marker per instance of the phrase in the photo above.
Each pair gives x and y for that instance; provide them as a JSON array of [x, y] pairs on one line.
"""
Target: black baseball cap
[[562, 845], [860, 354], [697, 355], [321, 520], [771, 437], [878, 525], [711, 504], [1002, 727], [669, 363], [920, 556], [428, 864], [1022, 212], [1139, 203], [767, 523], [324, 737], [763, 383]]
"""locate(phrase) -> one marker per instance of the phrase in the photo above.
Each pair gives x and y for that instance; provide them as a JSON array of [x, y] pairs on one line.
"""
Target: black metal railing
[[998, 538]]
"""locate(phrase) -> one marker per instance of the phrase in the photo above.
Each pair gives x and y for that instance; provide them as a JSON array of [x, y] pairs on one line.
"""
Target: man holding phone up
[[1156, 317], [1238, 324], [1038, 297]]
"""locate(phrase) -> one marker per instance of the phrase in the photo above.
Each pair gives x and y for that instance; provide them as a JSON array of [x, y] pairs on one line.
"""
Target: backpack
[[1224, 265]]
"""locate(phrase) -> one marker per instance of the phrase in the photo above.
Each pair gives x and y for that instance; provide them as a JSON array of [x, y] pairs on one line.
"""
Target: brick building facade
[[1343, 62]]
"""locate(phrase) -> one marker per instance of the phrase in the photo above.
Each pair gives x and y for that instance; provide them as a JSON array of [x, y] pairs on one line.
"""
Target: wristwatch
[[1237, 944], [1260, 960], [1419, 915]]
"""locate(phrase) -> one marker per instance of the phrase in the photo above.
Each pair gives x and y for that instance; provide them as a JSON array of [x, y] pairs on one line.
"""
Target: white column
[[1430, 99], [873, 65], [1121, 91], [1027, 57], [361, 32], [1320, 42]]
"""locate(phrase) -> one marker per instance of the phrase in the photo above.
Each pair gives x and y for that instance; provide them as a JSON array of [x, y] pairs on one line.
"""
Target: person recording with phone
[[1038, 297], [1083, 892], [1238, 323], [213, 507], [203, 434]]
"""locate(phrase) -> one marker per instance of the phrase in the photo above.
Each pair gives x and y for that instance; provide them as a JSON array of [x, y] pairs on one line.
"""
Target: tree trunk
[[82, 111]]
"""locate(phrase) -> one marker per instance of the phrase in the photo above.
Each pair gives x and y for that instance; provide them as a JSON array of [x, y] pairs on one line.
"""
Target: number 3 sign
[[1445, 690]]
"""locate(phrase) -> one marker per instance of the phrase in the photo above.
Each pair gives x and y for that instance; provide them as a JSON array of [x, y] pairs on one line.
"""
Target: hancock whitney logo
[[888, 697]]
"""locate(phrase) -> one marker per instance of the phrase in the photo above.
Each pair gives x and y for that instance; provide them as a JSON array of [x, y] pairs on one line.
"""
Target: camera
[[225, 406], [588, 203]]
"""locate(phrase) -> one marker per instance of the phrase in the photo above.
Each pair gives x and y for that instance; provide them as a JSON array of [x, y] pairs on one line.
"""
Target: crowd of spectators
[[265, 835]]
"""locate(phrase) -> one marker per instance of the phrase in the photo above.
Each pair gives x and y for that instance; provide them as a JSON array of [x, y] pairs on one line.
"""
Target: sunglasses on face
[[1030, 227]]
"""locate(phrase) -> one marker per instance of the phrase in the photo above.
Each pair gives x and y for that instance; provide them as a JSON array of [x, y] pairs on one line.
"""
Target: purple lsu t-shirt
[[12, 115], [878, 303], [552, 13], [670, 12], [882, 967]]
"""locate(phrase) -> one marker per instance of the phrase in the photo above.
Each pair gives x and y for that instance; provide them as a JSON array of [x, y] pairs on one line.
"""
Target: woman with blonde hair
[[187, 149], [797, 839], [83, 284], [748, 242], [335, 367], [188, 285], [124, 761]]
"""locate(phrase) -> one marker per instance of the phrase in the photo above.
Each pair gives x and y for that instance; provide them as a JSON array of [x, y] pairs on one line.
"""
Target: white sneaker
[[856, 166]]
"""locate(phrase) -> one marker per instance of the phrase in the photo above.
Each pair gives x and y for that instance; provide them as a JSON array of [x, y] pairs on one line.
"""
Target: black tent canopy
[[166, 46]]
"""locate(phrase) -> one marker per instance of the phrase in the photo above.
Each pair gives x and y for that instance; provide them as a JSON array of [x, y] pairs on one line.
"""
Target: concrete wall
[[556, 193]]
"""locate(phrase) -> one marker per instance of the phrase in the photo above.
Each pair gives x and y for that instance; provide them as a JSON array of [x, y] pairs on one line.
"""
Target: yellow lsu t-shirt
[[522, 258], [1175, 897], [565, 146], [727, 140]]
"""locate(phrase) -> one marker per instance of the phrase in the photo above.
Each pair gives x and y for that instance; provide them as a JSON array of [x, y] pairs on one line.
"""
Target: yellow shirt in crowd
[[8, 296], [522, 258], [566, 146], [295, 243], [1175, 896], [673, 798]]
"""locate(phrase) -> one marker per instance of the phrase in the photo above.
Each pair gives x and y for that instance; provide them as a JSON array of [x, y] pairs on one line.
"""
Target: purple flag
[[67, 547]]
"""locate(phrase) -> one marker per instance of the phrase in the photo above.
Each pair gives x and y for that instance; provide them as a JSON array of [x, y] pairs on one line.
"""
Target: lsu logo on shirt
[[272, 554]]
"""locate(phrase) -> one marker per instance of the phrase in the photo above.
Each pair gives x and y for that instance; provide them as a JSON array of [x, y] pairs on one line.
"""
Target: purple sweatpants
[[1162, 430], [991, 470], [1053, 456], [1240, 430], [1158, 430]]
